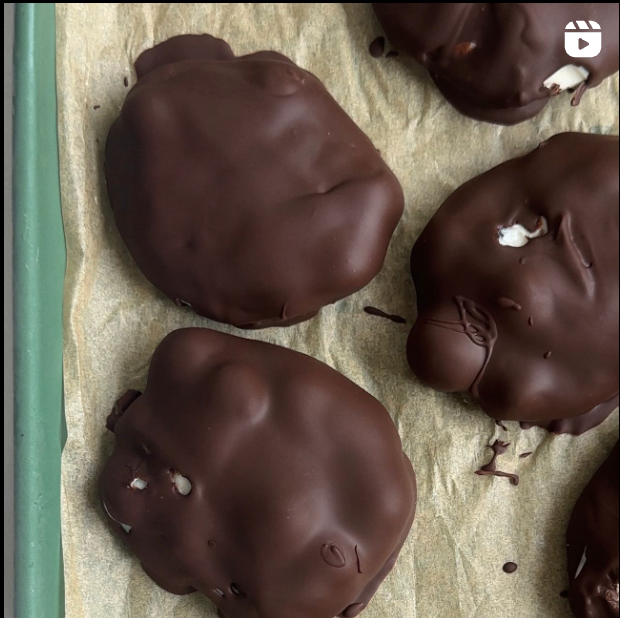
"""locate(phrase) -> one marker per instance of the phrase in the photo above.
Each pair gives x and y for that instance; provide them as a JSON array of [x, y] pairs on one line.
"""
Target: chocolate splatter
[[499, 448], [510, 567], [96, 107], [126, 81], [525, 455], [501, 424], [377, 47], [382, 314]]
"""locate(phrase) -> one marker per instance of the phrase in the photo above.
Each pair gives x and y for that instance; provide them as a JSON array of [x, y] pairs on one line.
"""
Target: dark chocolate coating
[[242, 188], [301, 496], [593, 533], [490, 60], [530, 332]]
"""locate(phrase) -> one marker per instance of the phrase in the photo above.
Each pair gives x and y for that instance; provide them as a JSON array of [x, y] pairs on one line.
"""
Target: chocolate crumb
[[510, 567]]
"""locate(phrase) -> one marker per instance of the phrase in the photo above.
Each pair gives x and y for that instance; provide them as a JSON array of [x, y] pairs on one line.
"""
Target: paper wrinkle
[[467, 527]]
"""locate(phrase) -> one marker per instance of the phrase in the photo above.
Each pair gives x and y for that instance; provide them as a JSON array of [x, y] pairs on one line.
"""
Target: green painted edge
[[39, 266]]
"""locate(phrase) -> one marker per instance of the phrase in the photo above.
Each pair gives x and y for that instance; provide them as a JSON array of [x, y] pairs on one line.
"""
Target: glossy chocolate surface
[[241, 187], [300, 496], [531, 332], [593, 546], [491, 60]]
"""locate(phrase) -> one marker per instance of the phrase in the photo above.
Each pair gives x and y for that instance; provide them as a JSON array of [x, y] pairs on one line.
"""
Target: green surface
[[39, 265]]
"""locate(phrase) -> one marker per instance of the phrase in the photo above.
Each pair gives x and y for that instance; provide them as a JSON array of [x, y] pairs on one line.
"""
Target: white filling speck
[[569, 76], [138, 483], [518, 236], [125, 527], [582, 564], [182, 484]]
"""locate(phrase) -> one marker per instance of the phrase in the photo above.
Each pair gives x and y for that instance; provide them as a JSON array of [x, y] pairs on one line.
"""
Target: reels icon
[[583, 40]]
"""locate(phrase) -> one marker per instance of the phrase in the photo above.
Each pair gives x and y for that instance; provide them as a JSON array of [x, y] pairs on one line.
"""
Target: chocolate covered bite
[[593, 546], [517, 287], [502, 62], [241, 187], [259, 477]]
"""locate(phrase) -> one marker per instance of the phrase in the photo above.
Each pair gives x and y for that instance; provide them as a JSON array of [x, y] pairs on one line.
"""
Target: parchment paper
[[467, 526]]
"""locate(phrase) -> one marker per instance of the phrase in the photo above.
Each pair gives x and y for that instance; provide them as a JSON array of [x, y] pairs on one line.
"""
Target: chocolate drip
[[478, 324], [499, 448], [382, 314]]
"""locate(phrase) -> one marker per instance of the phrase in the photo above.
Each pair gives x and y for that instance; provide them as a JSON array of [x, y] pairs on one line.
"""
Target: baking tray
[[39, 266]]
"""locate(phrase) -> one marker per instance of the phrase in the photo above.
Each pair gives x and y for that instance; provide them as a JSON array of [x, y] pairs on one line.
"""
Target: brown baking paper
[[467, 526]]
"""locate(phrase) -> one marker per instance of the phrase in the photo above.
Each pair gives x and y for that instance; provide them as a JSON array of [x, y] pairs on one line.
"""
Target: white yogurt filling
[[518, 236], [569, 76], [182, 484], [138, 483]]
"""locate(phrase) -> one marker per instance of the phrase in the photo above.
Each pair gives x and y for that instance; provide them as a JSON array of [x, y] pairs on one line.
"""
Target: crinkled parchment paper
[[467, 526]]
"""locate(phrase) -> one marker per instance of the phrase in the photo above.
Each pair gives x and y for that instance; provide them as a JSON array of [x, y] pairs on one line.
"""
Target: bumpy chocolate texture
[[593, 546], [499, 62], [517, 284], [242, 188], [260, 477]]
